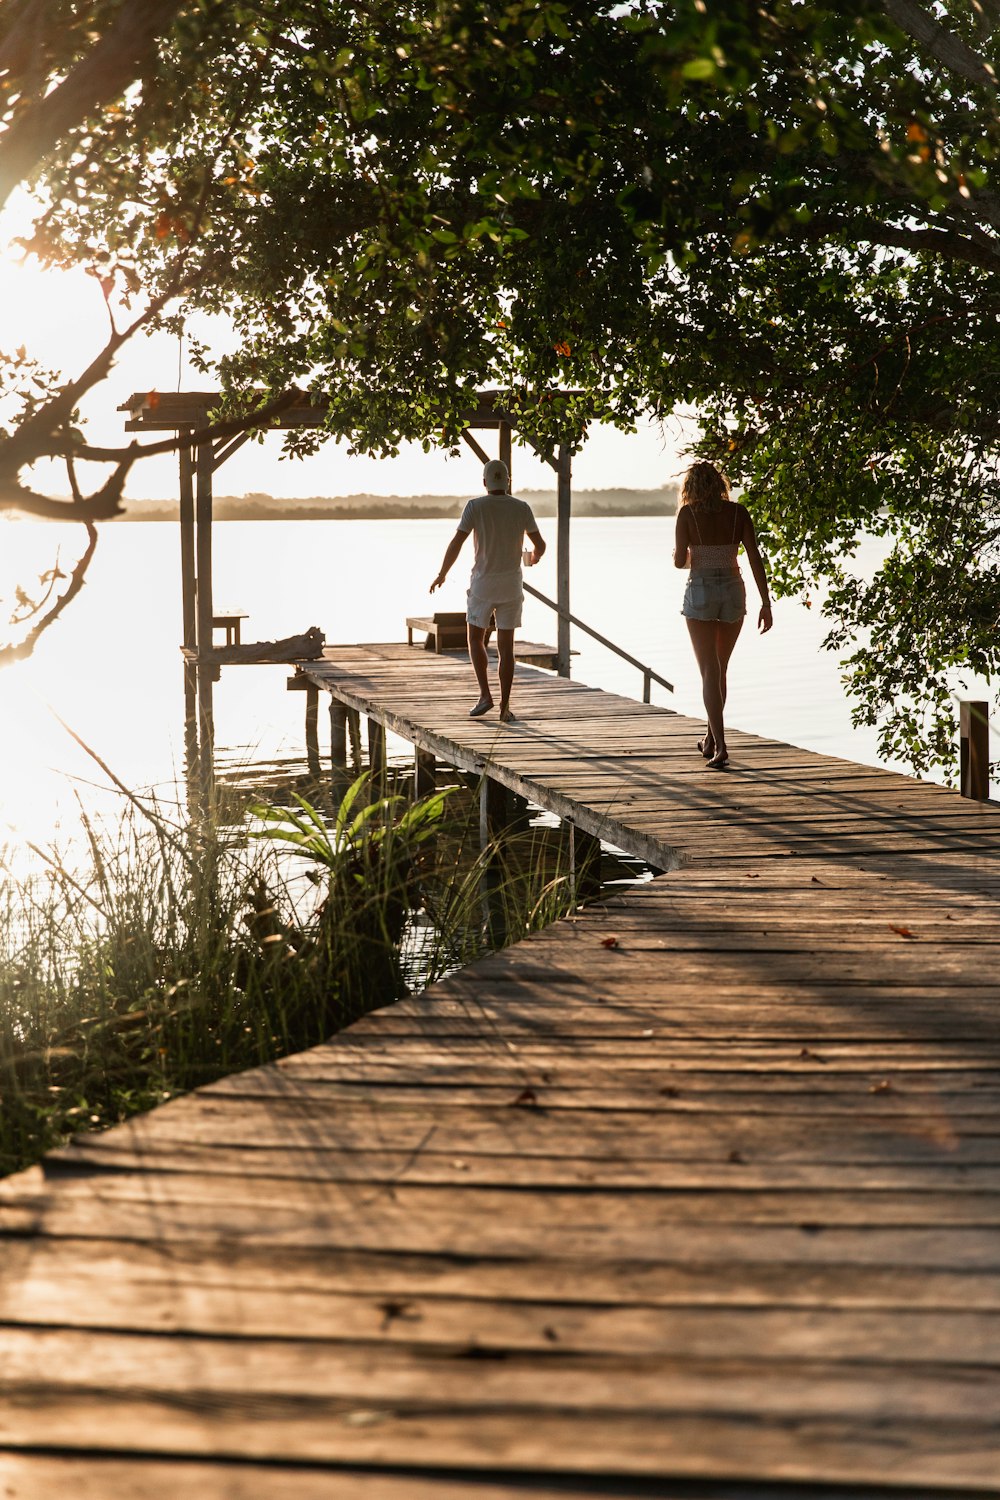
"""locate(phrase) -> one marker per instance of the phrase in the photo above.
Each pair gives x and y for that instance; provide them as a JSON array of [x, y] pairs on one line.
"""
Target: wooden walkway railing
[[696, 1194]]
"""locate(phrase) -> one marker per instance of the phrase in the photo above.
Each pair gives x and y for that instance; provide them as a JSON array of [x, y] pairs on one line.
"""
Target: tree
[[782, 215]]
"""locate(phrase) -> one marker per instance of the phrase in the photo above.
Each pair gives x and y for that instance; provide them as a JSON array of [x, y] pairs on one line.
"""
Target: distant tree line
[[261, 507]]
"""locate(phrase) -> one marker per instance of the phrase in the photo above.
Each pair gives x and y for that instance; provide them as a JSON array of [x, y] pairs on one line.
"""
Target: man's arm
[[538, 542], [451, 553]]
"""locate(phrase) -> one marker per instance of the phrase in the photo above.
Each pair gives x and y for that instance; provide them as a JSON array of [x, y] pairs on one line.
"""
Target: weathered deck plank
[[719, 1205]]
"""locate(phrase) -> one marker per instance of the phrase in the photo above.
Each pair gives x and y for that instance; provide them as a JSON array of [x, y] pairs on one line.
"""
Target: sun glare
[[59, 317]]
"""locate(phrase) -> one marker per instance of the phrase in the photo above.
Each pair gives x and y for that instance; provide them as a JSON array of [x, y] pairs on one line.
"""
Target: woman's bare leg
[[726, 636], [713, 642]]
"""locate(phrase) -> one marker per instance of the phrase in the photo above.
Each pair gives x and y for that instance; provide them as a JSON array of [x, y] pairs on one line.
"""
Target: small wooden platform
[[695, 1195], [447, 632], [229, 621]]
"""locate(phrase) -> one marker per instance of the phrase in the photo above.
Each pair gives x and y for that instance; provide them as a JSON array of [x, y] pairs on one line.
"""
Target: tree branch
[[106, 503], [29, 439], [936, 241], [105, 73], [21, 649], [987, 14], [943, 45]]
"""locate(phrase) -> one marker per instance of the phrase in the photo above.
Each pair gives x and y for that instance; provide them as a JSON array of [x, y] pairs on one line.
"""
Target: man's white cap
[[496, 475]]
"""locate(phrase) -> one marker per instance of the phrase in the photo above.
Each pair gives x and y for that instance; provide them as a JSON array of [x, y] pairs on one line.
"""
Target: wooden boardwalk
[[629, 773], [694, 1195]]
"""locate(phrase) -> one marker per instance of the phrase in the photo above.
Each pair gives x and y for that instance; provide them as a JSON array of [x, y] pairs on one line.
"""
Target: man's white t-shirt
[[498, 524]]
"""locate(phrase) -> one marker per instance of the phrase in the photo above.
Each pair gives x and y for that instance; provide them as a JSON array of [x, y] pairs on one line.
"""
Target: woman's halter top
[[704, 557]]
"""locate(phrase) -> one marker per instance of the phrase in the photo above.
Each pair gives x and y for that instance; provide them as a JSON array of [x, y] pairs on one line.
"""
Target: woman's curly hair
[[705, 485]]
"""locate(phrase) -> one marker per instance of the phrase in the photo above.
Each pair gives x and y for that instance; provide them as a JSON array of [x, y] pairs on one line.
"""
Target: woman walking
[[710, 531]]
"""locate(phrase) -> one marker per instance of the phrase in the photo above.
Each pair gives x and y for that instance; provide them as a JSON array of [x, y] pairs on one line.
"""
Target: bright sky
[[61, 319]]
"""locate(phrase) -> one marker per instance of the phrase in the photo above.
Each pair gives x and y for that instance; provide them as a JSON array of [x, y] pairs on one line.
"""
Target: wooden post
[[563, 473], [493, 811], [376, 749], [493, 819], [505, 449], [338, 735], [312, 729], [424, 769], [974, 747], [189, 624], [647, 685], [354, 732], [203, 559], [192, 758], [188, 574], [585, 864]]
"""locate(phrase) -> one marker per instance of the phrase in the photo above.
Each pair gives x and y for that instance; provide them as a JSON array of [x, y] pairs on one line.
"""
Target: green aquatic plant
[[164, 956]]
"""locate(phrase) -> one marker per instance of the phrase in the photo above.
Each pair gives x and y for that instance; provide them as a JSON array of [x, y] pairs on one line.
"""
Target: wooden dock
[[629, 773], [694, 1195]]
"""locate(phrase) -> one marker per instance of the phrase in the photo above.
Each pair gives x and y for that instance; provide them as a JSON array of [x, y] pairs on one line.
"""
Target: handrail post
[[647, 685], [562, 560], [974, 749]]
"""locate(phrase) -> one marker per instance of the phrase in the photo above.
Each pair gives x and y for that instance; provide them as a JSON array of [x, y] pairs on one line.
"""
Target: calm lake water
[[110, 669]]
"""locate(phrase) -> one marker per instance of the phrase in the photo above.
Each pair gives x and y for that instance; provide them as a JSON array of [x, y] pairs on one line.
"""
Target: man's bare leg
[[505, 649], [480, 665]]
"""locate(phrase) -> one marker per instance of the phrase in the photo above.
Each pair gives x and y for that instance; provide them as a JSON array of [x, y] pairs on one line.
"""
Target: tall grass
[[169, 956]]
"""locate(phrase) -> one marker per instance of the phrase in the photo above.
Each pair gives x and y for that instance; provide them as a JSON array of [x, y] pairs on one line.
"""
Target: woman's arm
[[682, 538], [748, 537]]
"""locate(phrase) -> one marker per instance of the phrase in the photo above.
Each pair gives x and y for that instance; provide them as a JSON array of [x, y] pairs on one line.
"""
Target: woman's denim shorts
[[715, 594]]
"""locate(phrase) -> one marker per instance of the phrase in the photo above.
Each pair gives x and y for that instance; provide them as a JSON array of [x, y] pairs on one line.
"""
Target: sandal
[[718, 761], [707, 746]]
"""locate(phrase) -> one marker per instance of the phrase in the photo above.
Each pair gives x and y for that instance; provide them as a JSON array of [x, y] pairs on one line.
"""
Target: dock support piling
[[974, 732], [354, 732], [424, 772], [563, 501], [376, 749], [312, 729], [338, 736], [584, 864], [203, 600], [494, 812]]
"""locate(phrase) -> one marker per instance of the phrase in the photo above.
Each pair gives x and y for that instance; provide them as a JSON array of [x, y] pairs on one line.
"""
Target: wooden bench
[[229, 621], [445, 630]]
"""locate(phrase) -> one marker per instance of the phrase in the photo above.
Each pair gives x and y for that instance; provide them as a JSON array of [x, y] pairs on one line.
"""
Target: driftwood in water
[[305, 647]]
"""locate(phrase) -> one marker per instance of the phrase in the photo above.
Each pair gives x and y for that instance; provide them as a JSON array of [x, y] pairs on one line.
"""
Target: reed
[[169, 956]]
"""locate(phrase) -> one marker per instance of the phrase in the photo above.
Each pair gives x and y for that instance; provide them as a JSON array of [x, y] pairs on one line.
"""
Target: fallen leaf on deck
[[526, 1099], [903, 931], [609, 942]]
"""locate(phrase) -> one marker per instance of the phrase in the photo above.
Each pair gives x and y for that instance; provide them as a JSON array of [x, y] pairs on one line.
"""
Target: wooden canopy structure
[[189, 412]]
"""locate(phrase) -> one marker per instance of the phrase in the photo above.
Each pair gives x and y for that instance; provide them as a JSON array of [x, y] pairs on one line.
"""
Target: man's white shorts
[[479, 610]]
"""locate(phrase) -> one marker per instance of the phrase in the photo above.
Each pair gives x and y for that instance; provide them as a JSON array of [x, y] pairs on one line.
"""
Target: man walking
[[499, 522]]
